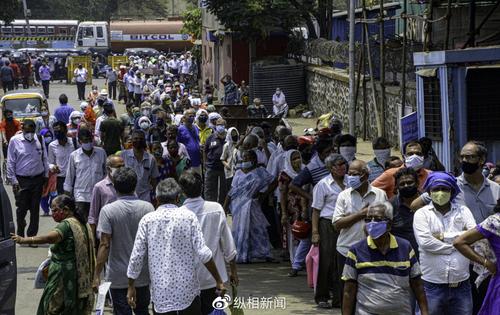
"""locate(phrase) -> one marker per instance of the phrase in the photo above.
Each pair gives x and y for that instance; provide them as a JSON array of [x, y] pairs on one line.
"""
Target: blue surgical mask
[[414, 161], [376, 229], [246, 165], [220, 129], [354, 181], [87, 146]]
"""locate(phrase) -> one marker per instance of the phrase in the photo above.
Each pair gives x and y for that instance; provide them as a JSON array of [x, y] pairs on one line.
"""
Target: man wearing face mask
[[144, 165], [347, 147], [414, 158], [436, 226], [351, 209], [189, 135], [392, 260], [382, 151], [325, 195], [81, 75], [8, 127], [104, 192], [215, 180], [87, 166], [27, 170], [201, 123], [111, 131], [59, 152]]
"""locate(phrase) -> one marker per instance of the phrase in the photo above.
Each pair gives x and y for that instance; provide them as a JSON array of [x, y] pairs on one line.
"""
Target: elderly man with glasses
[[381, 271]]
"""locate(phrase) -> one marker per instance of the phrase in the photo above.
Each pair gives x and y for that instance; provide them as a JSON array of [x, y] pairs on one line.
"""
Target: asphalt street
[[263, 287]]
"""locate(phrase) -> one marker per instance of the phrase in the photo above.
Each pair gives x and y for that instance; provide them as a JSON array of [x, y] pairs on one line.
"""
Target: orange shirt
[[387, 182], [10, 128]]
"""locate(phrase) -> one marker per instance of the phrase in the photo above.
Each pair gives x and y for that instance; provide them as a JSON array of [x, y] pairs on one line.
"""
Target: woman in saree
[[68, 289], [249, 223]]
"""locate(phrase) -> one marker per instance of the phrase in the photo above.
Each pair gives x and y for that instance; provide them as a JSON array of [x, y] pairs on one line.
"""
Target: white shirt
[[84, 172], [325, 195], [172, 241], [185, 66], [173, 64], [81, 75], [349, 202], [137, 85], [439, 260], [58, 155], [279, 100], [217, 236]]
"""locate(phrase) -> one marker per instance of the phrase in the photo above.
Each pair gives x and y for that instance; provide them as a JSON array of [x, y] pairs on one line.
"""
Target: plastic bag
[[312, 265], [40, 276]]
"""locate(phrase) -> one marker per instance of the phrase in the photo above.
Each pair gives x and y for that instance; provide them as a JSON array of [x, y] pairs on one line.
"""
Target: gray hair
[[388, 209], [332, 159], [167, 190]]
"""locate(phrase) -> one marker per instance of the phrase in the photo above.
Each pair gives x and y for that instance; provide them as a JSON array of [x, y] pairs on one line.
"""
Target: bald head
[[114, 161], [358, 166]]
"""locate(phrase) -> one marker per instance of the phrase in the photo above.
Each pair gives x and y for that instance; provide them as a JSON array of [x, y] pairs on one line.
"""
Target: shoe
[[324, 305], [293, 273]]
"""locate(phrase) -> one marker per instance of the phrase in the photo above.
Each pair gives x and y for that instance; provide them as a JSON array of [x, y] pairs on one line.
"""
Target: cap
[[104, 92]]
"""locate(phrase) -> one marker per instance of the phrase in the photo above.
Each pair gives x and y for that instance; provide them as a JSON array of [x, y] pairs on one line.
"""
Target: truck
[[116, 36]]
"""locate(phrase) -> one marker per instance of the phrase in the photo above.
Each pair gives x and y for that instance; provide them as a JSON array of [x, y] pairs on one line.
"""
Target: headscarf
[[75, 114], [445, 179], [288, 169], [229, 138], [211, 117]]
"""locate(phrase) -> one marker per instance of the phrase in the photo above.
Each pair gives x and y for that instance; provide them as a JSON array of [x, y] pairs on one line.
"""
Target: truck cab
[[93, 36]]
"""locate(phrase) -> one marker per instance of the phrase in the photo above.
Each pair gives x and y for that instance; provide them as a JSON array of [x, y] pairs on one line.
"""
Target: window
[[18, 30], [63, 31], [41, 29], [50, 30], [100, 33], [6, 29], [33, 30], [88, 32], [483, 109], [432, 108]]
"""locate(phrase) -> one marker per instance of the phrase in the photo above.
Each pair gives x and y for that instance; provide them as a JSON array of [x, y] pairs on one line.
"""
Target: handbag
[[235, 310], [300, 229]]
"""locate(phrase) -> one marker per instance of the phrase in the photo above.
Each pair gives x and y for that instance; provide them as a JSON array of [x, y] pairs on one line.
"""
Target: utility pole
[[352, 72], [26, 16], [382, 67], [403, 70]]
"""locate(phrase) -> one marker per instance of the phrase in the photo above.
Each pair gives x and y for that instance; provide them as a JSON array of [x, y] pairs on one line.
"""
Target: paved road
[[257, 280]]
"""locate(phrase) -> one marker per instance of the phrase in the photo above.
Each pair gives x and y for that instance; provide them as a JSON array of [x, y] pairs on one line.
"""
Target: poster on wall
[[408, 128]]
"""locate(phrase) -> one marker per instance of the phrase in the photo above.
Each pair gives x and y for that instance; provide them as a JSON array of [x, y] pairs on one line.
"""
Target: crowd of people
[[394, 234]]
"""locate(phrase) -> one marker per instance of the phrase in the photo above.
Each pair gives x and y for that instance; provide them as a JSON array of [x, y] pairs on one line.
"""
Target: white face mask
[[29, 136], [144, 125], [414, 161], [348, 153], [382, 155], [76, 121]]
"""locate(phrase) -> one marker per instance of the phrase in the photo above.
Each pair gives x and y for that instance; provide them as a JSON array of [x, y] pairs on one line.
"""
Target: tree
[[10, 9], [252, 19], [192, 22]]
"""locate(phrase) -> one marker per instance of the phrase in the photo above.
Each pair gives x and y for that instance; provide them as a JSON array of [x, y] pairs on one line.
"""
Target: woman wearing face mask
[[75, 118], [205, 130], [293, 207], [175, 164], [69, 285], [144, 124], [249, 223], [49, 190], [473, 244], [46, 120], [229, 152]]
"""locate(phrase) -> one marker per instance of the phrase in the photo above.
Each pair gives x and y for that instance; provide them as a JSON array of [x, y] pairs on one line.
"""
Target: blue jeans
[[443, 300], [120, 304], [299, 260]]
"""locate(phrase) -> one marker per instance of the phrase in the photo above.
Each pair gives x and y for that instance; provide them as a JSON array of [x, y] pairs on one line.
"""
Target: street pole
[[403, 70], [26, 16], [382, 67], [352, 72]]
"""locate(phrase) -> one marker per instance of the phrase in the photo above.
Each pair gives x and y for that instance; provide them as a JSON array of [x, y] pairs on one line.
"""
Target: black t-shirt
[[111, 132], [213, 150], [402, 223]]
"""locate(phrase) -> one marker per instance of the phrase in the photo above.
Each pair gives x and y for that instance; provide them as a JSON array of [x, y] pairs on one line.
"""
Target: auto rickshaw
[[25, 104]]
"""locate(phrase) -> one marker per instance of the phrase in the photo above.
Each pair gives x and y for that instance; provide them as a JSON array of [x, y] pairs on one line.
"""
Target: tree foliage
[[255, 18], [192, 22], [9, 11]]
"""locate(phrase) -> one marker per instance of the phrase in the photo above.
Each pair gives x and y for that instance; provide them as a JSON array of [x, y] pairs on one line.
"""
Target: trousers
[[28, 199]]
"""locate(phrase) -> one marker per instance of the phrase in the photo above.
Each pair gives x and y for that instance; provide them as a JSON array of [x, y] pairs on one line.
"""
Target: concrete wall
[[328, 90]]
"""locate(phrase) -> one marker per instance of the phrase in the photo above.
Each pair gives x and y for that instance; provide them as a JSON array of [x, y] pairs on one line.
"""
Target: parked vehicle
[[24, 104], [8, 263]]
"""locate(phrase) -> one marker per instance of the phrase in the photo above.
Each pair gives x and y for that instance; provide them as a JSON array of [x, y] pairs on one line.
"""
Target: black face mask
[[235, 138], [469, 168], [203, 119], [408, 191]]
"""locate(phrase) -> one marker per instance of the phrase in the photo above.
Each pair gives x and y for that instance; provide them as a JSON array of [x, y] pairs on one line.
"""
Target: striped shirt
[[312, 173], [383, 281]]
